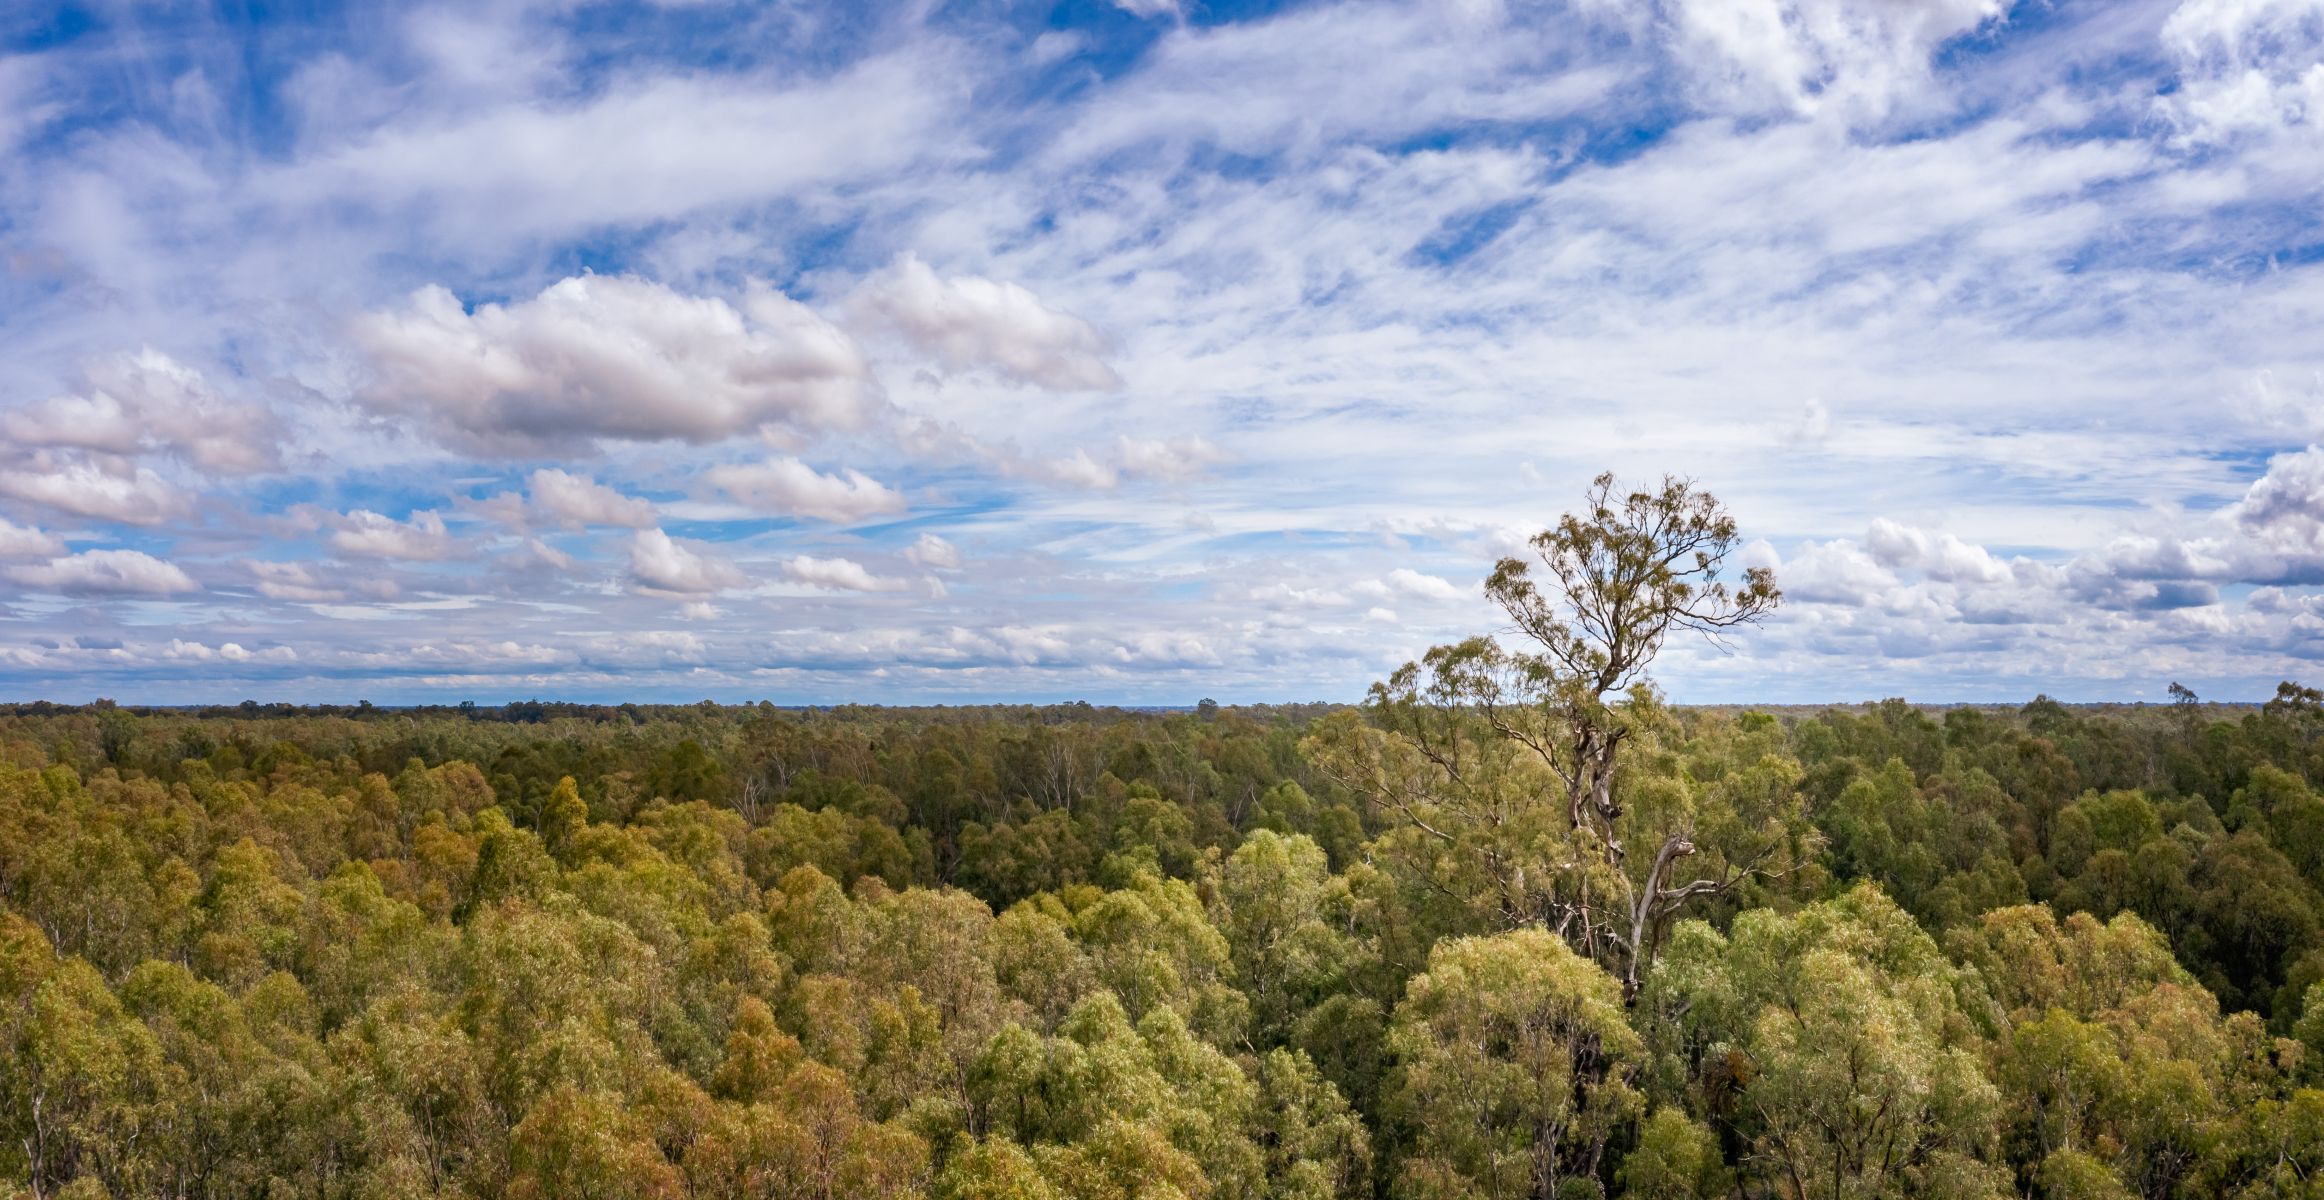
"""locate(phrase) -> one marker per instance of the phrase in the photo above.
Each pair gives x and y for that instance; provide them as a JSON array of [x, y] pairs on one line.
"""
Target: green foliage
[[1515, 1067], [1240, 954], [1836, 1044], [1676, 1159]]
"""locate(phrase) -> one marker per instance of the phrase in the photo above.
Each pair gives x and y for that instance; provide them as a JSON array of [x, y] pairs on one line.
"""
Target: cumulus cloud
[[618, 357], [106, 573], [2290, 496], [786, 485], [1407, 582], [2279, 523], [420, 537], [149, 403], [969, 322], [107, 488], [933, 552], [838, 574], [236, 652], [2245, 66], [1939, 556], [2274, 534], [1835, 572], [660, 564], [575, 501], [25, 541]]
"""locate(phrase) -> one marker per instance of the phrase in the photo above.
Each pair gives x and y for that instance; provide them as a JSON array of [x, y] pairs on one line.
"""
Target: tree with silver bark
[[1503, 758]]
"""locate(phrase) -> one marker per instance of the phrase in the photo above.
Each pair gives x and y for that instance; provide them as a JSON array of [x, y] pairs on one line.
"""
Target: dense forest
[[1492, 933]]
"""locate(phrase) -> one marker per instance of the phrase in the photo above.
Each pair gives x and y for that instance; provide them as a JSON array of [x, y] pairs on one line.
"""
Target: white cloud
[[611, 357], [933, 552], [575, 501], [660, 564], [1805, 55], [1172, 460], [786, 485], [547, 555], [1814, 423], [1406, 581], [648, 147], [1077, 470], [1281, 595], [2274, 534], [838, 574], [653, 645], [1312, 78], [1939, 556], [292, 581], [420, 537], [25, 541], [2290, 495], [106, 573], [148, 403], [2245, 66], [968, 322], [185, 651], [105, 488], [1166, 649], [1836, 572]]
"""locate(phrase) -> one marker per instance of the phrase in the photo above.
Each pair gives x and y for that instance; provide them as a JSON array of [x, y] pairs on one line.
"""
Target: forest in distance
[[1513, 927]]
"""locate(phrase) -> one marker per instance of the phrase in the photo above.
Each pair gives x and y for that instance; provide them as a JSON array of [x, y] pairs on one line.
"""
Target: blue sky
[[1146, 351]]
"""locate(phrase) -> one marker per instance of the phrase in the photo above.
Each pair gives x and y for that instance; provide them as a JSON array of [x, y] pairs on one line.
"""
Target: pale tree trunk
[[1644, 914]]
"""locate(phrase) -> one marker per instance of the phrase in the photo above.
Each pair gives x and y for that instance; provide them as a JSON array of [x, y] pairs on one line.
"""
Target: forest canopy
[[1080, 952]]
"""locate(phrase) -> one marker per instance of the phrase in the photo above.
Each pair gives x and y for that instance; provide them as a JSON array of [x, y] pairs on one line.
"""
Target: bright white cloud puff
[[968, 322], [661, 565], [610, 357], [421, 537], [148, 403], [105, 488], [577, 500], [792, 488]]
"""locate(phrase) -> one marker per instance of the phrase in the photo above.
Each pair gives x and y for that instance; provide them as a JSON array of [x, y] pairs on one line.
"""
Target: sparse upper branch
[[1625, 572]]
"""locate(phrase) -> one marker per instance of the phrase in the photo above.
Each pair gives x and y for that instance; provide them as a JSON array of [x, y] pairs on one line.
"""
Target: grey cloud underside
[[1105, 388]]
